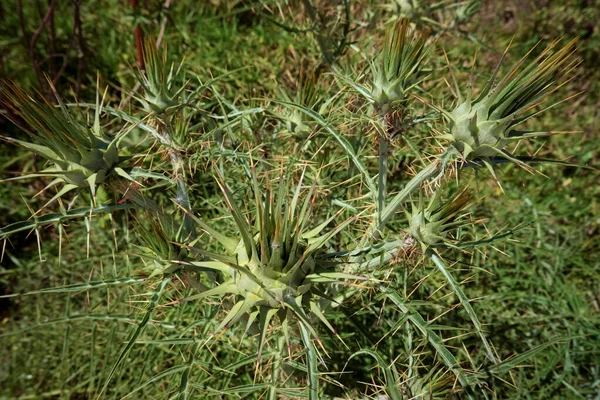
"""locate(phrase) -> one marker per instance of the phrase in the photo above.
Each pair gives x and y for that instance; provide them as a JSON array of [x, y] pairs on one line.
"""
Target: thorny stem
[[384, 145], [326, 42], [277, 365], [182, 191], [374, 231], [179, 175], [325, 48]]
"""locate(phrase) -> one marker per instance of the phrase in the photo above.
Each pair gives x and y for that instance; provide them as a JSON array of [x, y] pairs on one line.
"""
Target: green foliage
[[233, 221]]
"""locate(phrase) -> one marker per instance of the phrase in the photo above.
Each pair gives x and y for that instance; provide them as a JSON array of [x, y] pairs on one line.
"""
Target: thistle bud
[[82, 156], [307, 95], [159, 81], [466, 11], [481, 128], [411, 9], [430, 225], [398, 68]]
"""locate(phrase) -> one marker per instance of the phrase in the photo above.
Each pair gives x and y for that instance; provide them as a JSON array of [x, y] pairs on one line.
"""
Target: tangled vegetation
[[313, 199]]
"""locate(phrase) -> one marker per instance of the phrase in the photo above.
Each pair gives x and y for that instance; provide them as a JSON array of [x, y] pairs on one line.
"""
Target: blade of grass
[[464, 300], [156, 296], [311, 358]]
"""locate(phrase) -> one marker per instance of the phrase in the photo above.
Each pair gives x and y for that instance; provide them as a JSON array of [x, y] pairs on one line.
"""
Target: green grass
[[81, 318]]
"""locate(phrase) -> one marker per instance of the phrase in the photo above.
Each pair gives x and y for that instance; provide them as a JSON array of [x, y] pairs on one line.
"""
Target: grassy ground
[[539, 286]]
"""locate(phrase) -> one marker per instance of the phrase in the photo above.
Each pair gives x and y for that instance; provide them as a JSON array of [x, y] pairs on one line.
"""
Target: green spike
[[266, 313], [242, 225], [314, 308], [240, 308]]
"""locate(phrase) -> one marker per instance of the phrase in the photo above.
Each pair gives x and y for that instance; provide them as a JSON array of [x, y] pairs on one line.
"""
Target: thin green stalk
[[277, 365], [384, 146], [433, 170], [313, 372]]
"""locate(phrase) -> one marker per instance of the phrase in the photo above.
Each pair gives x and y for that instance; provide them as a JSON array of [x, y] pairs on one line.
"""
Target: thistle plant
[[396, 71], [430, 224], [160, 81], [398, 68], [440, 17], [81, 155], [274, 266], [307, 95], [411, 9], [271, 278], [480, 128], [466, 11]]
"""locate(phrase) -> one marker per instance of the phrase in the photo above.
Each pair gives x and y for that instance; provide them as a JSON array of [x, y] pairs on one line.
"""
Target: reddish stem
[[139, 38]]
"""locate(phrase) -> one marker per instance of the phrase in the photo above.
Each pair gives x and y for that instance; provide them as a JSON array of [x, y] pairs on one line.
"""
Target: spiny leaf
[[313, 372], [433, 338], [79, 287], [48, 219], [266, 313], [244, 228]]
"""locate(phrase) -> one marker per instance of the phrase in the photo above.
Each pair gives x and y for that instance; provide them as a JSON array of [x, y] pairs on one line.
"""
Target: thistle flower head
[[482, 127], [81, 154], [398, 68], [430, 224], [160, 237], [276, 263], [159, 81]]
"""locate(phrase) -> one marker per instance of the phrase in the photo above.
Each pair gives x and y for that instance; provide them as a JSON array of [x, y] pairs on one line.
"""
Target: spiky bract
[[82, 155], [159, 81], [430, 224], [398, 68], [307, 95], [480, 128]]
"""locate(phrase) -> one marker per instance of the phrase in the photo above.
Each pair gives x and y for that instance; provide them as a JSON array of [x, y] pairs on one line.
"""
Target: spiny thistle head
[[156, 239], [82, 155], [159, 81], [480, 128], [398, 68], [160, 238], [430, 224], [275, 264], [180, 133]]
